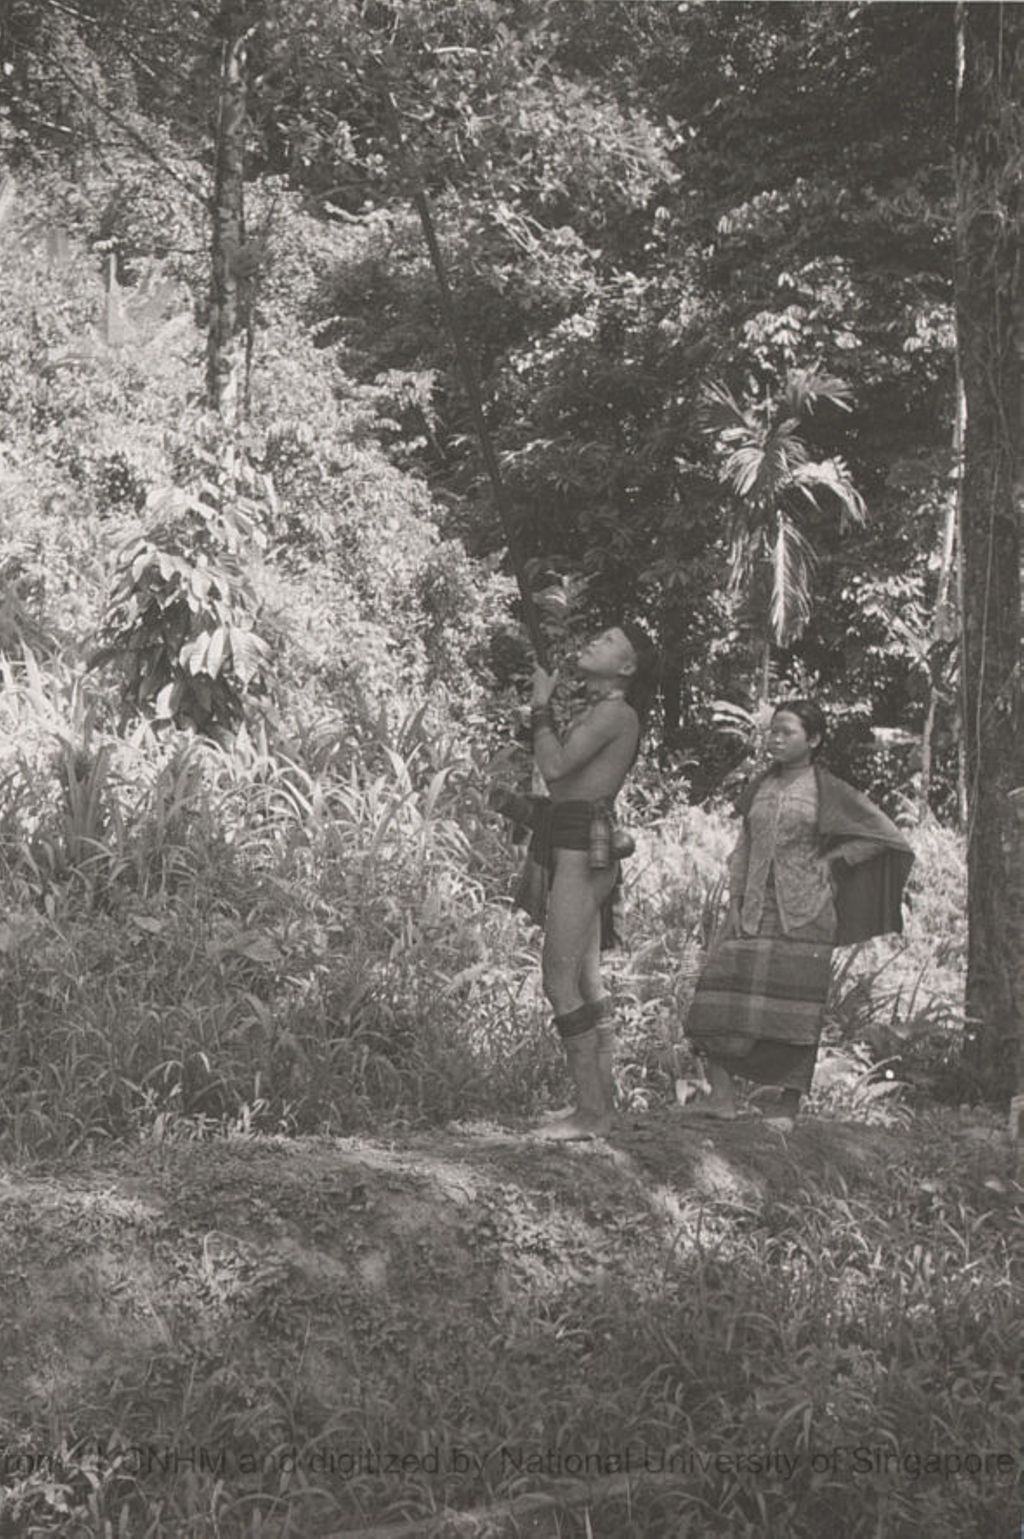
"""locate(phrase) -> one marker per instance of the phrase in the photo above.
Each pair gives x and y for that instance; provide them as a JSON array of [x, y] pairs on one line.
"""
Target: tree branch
[[132, 133]]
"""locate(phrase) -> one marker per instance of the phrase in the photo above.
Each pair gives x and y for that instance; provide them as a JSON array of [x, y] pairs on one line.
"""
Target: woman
[[572, 874], [816, 865]]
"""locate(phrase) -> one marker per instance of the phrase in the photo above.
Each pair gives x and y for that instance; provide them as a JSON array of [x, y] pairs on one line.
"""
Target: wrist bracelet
[[542, 716]]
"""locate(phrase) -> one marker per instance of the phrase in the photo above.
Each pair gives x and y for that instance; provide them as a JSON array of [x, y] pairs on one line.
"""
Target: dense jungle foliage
[[674, 233], [262, 996], [257, 668]]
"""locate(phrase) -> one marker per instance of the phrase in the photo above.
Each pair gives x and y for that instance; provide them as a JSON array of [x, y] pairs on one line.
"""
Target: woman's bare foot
[[719, 1105]]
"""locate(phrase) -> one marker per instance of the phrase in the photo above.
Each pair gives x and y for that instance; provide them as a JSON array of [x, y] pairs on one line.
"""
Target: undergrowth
[[834, 1356], [312, 934]]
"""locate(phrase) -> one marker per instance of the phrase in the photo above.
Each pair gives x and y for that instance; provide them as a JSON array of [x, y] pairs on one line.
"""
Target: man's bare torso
[[603, 775]]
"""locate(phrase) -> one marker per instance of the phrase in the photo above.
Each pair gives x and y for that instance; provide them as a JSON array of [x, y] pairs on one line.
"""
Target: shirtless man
[[573, 831]]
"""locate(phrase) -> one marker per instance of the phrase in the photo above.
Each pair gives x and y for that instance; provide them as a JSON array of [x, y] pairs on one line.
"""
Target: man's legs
[[572, 929], [572, 933], [592, 989]]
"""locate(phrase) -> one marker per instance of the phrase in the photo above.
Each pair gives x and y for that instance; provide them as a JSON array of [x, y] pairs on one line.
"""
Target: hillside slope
[[673, 1331]]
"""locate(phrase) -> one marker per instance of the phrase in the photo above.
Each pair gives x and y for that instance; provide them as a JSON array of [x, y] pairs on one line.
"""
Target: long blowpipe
[[465, 362]]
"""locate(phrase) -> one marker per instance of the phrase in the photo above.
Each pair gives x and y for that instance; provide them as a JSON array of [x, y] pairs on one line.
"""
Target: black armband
[[542, 716]]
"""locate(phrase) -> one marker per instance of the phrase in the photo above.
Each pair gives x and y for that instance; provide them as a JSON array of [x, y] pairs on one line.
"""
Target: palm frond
[[785, 454], [767, 467], [793, 563], [761, 472], [720, 412], [746, 541], [833, 477], [744, 469], [806, 387]]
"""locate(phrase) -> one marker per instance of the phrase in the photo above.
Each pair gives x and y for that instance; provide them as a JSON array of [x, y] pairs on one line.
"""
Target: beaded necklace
[[596, 694]]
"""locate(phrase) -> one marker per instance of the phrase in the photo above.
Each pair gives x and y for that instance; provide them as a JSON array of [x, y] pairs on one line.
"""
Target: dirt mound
[[265, 1319]]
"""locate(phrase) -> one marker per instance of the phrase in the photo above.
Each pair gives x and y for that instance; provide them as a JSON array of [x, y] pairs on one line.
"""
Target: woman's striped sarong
[[760, 1000]]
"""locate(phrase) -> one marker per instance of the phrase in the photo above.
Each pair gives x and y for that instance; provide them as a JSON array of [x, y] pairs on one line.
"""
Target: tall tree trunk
[[924, 795], [671, 693], [752, 618], [990, 340], [764, 673], [225, 354], [961, 708], [945, 626]]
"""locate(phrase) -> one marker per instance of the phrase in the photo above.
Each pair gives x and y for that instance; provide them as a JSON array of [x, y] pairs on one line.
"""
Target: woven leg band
[[575, 1022]]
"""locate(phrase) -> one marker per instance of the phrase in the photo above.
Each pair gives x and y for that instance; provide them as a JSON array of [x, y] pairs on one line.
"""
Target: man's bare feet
[[559, 1115], [564, 1113], [577, 1126], [708, 1108]]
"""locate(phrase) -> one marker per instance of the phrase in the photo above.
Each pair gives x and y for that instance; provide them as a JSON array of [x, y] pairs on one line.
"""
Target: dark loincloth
[[568, 826]]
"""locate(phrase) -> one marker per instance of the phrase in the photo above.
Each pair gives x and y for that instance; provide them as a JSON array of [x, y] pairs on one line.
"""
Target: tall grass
[[788, 1365], [895, 1012], [296, 937], [308, 934]]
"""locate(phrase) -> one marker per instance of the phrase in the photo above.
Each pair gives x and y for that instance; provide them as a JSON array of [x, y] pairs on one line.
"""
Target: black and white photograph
[[511, 769]]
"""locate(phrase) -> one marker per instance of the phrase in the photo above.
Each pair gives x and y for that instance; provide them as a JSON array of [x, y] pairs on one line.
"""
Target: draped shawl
[[869, 895]]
